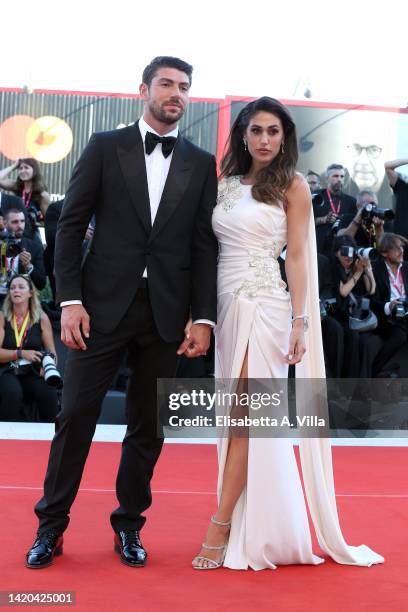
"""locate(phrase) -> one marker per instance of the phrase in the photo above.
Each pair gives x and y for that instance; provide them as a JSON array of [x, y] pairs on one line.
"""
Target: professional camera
[[327, 306], [336, 226], [349, 251], [14, 247], [35, 217], [371, 210], [401, 309], [51, 375]]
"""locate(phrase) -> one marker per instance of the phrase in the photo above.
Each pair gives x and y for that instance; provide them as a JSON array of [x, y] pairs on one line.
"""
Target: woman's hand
[[297, 346], [361, 264], [33, 356]]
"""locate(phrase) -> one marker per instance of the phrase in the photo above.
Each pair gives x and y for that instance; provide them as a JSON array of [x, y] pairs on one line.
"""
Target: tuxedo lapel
[[179, 175], [132, 162]]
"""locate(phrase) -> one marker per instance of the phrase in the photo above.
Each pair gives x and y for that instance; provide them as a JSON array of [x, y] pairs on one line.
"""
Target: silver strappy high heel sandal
[[213, 564]]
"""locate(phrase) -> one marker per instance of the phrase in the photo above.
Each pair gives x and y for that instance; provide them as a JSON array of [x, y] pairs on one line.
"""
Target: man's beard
[[336, 189], [164, 116]]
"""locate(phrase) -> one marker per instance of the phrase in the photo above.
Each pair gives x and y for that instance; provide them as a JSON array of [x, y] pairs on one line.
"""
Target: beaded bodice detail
[[251, 236]]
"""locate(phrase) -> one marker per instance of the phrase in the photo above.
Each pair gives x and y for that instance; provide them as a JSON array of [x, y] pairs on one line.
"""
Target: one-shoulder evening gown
[[269, 524]]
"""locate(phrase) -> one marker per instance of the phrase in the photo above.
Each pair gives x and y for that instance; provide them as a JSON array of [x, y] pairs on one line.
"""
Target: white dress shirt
[[157, 169], [395, 293]]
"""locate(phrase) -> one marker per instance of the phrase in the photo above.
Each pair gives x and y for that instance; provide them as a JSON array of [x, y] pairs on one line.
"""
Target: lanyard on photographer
[[3, 260], [20, 335], [332, 206], [396, 281], [27, 197]]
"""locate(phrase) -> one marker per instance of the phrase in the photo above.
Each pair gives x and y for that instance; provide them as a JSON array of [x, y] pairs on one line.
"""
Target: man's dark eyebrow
[[167, 80]]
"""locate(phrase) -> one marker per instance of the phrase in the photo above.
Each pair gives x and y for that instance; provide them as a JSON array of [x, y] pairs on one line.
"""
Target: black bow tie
[[167, 143]]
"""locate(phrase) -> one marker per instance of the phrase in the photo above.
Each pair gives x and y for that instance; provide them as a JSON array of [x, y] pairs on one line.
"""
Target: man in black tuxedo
[[391, 277], [335, 204], [142, 280]]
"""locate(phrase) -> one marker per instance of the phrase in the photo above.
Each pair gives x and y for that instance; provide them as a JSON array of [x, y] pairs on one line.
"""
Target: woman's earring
[[283, 148], [245, 144]]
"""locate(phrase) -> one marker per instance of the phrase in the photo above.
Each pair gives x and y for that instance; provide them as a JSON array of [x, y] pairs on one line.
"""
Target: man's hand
[[331, 217], [74, 326], [197, 340], [393, 303], [25, 259]]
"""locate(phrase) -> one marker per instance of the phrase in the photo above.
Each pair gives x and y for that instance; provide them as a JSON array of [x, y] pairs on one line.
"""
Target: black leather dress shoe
[[46, 546], [130, 548]]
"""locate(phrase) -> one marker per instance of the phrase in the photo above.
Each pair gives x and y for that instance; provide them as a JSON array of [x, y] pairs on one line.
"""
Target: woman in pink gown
[[263, 204]]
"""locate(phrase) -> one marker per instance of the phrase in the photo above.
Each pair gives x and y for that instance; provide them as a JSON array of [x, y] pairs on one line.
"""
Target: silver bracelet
[[305, 321]]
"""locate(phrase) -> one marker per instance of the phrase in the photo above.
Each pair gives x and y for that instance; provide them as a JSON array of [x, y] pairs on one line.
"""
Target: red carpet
[[371, 484]]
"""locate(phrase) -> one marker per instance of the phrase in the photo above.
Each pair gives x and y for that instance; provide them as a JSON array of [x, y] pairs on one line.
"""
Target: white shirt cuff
[[387, 308], [70, 303], [205, 321]]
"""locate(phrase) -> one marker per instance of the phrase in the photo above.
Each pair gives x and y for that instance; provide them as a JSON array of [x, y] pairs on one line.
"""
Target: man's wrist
[[70, 303], [204, 322]]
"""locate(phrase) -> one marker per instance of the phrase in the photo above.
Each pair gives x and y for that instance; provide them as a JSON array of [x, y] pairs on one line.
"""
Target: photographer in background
[[367, 226], [390, 300], [19, 255], [8, 202], [329, 205], [29, 186], [400, 189], [313, 180], [352, 273], [332, 330], [25, 332]]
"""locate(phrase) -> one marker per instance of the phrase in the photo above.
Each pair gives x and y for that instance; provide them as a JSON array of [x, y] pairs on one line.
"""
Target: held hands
[[197, 340], [297, 346], [74, 326]]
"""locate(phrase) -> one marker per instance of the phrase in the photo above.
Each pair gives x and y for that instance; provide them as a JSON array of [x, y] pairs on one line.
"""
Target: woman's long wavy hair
[[272, 181], [34, 305], [38, 185]]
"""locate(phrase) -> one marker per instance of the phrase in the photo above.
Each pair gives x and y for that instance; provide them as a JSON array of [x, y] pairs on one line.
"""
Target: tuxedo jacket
[[179, 251], [383, 286]]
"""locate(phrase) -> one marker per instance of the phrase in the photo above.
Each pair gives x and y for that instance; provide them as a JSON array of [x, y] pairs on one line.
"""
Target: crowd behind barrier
[[363, 283]]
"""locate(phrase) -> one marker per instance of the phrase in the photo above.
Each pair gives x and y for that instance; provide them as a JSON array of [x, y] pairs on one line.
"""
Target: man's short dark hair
[[165, 61], [14, 211], [334, 167]]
